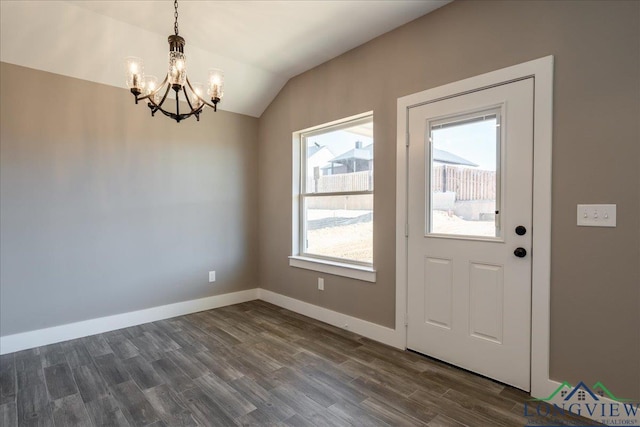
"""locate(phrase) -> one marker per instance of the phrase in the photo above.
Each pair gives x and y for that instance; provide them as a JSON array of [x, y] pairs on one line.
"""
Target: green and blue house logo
[[596, 402]]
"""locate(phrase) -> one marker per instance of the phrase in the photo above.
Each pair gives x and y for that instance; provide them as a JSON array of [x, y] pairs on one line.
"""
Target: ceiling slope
[[259, 44]]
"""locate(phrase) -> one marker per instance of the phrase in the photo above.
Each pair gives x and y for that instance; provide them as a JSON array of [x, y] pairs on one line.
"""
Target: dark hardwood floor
[[247, 364]]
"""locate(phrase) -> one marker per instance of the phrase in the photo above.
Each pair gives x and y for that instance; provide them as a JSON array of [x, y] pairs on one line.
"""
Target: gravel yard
[[354, 241]]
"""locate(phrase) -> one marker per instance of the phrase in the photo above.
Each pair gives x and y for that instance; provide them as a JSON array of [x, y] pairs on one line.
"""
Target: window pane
[[464, 176], [339, 226], [340, 160]]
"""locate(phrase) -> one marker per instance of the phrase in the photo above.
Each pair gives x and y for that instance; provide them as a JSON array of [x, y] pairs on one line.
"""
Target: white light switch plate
[[212, 276], [597, 215]]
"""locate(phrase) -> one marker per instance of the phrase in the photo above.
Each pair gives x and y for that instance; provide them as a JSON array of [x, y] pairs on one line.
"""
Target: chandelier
[[147, 88]]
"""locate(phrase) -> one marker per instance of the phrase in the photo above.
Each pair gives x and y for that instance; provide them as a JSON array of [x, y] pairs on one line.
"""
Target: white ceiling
[[259, 44]]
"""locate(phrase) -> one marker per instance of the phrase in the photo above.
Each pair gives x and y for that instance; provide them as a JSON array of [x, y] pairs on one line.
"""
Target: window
[[333, 182], [464, 159]]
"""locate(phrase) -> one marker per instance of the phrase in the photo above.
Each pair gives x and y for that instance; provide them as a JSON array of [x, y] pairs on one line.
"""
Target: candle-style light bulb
[[134, 73], [177, 69], [150, 85], [216, 83], [197, 94]]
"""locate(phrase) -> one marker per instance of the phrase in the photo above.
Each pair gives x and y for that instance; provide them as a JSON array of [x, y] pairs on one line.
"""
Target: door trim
[[542, 72]]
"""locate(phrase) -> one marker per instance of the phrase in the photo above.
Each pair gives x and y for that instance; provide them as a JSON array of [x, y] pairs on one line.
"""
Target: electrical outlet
[[212, 276], [320, 284], [597, 215]]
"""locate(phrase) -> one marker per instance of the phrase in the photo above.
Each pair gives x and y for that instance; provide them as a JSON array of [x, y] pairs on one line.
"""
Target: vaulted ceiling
[[259, 44]]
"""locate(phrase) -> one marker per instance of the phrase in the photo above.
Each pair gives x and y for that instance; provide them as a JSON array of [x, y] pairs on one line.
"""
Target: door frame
[[542, 72]]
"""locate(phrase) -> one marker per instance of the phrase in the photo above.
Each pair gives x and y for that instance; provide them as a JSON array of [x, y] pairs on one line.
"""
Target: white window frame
[[336, 266]]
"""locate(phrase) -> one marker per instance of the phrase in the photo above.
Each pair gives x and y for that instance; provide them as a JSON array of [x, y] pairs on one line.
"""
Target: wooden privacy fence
[[357, 181], [468, 184]]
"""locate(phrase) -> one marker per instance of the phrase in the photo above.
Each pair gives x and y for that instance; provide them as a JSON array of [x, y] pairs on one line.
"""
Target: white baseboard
[[40, 337], [362, 327], [31, 339]]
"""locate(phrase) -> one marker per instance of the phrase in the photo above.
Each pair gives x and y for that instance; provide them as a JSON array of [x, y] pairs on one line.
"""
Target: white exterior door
[[469, 230]]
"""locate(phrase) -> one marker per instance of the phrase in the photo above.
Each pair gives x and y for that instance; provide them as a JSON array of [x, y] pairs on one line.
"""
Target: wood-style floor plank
[[143, 373], [9, 414], [232, 402], [90, 383], [70, 411], [172, 375], [105, 412], [33, 405], [267, 404], [251, 364], [390, 415], [206, 410], [8, 381], [444, 421], [60, 381], [134, 405], [188, 363], [170, 407], [53, 354], [97, 345], [112, 369], [28, 370], [122, 346], [352, 414], [77, 354]]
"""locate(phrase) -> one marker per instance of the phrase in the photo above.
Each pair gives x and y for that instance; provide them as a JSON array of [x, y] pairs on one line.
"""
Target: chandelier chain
[[175, 25]]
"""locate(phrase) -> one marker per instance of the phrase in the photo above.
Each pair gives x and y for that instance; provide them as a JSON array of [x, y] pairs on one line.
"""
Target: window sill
[[359, 272]]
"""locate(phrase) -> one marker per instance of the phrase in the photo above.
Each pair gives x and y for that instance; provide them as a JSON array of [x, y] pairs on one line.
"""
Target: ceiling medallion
[[146, 87]]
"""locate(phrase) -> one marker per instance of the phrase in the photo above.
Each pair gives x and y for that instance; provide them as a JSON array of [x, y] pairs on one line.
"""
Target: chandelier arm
[[214, 105], [205, 102], [209, 104], [166, 92], [197, 110], [184, 90], [177, 116], [174, 116], [149, 96], [158, 106], [194, 111], [181, 116], [194, 92]]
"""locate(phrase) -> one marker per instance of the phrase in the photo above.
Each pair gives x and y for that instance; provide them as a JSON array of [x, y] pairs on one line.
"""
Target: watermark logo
[[596, 402]]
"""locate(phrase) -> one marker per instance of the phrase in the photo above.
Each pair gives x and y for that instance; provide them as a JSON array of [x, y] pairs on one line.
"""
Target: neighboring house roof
[[365, 153], [313, 150], [320, 151], [443, 156]]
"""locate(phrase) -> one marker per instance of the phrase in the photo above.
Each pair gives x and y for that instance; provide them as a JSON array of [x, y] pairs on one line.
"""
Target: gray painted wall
[[595, 282], [106, 210]]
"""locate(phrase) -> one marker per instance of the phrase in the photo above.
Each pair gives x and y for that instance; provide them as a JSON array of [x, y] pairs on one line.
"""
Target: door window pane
[[464, 169]]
